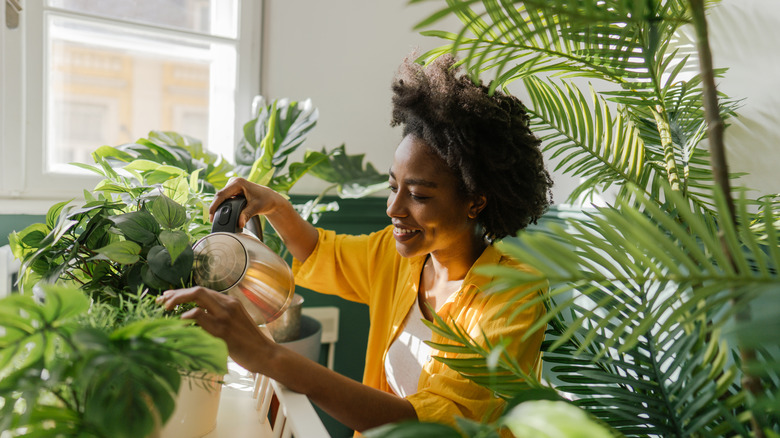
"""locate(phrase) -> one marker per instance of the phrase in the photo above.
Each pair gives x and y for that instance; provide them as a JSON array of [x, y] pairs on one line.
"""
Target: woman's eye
[[393, 188], [419, 198]]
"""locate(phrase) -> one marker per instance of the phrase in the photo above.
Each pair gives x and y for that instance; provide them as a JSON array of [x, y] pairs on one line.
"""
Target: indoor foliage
[[71, 368], [661, 304], [85, 351]]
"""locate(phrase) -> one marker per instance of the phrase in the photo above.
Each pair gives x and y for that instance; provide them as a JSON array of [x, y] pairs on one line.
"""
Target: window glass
[[212, 17], [112, 85], [80, 74]]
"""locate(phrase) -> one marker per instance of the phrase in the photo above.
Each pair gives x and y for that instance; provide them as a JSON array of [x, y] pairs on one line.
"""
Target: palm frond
[[601, 147], [687, 125], [484, 363], [640, 298], [616, 40], [666, 385], [628, 249]]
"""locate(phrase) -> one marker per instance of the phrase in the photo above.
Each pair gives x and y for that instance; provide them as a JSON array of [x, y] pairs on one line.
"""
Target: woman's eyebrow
[[416, 181]]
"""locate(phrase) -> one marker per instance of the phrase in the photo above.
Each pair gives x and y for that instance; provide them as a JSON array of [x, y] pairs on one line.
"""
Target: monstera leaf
[[352, 177], [83, 368], [31, 330], [278, 130]]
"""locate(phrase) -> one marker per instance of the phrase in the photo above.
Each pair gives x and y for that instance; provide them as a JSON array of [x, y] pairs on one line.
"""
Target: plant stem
[[715, 127], [662, 123], [307, 214]]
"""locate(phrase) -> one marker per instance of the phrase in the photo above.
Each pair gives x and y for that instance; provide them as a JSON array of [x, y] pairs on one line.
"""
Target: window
[[78, 74]]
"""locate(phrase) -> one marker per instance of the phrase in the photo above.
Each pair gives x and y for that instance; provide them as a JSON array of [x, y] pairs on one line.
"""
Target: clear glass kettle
[[237, 262]]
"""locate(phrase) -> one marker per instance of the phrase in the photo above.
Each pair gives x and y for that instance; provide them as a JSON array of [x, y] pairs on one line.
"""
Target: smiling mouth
[[402, 234]]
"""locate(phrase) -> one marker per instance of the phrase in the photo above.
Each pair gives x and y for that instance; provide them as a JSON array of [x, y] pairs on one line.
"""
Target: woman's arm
[[354, 404], [298, 235]]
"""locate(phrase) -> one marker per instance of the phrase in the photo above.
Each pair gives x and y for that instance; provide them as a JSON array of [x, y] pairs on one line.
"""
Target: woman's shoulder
[[494, 289]]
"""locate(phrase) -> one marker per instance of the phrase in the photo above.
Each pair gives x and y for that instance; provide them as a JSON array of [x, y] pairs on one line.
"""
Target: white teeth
[[402, 231]]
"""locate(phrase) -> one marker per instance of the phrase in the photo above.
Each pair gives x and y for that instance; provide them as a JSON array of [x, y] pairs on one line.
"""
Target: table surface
[[238, 417]]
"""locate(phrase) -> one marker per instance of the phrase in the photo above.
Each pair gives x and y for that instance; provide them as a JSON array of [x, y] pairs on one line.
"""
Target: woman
[[468, 171]]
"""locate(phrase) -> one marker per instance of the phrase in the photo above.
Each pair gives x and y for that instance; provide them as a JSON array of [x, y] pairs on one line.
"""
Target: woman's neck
[[455, 264], [443, 276]]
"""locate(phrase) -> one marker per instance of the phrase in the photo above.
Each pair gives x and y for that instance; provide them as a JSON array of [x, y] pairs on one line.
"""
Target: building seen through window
[[118, 69]]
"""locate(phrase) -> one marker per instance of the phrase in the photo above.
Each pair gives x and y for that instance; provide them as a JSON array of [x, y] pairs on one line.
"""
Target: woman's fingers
[[257, 199], [206, 299], [203, 319], [224, 317], [235, 186], [215, 309]]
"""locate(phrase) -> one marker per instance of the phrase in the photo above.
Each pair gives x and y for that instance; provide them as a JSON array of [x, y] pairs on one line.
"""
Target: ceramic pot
[[197, 405]]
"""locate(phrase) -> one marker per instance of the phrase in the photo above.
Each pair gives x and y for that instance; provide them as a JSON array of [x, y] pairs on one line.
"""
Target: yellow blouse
[[368, 269]]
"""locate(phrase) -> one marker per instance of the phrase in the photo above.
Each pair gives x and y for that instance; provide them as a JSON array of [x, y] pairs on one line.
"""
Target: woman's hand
[[259, 199], [298, 235], [224, 317], [357, 406]]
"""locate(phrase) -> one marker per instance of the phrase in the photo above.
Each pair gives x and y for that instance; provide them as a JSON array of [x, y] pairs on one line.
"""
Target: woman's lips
[[404, 234]]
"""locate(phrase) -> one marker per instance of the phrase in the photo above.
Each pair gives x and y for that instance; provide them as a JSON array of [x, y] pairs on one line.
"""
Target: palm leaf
[[651, 296], [616, 40], [484, 363], [624, 42], [599, 147], [647, 249], [683, 104], [671, 383]]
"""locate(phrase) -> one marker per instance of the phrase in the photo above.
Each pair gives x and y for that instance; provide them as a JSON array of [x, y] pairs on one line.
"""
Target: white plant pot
[[197, 405]]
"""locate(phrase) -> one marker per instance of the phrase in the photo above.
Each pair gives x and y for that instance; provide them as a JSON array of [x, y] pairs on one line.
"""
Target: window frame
[[26, 187]]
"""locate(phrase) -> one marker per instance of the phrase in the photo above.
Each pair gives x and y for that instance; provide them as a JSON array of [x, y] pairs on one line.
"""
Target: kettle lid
[[221, 261]]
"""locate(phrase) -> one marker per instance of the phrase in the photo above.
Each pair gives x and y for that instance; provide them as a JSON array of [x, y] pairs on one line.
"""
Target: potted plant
[[95, 354], [71, 367], [652, 326]]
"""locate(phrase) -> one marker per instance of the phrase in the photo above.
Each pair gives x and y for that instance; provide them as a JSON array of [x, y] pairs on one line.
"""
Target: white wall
[[744, 36], [342, 54]]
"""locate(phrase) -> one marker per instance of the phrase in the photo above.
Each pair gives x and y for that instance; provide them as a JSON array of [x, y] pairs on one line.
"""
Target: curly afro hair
[[485, 139]]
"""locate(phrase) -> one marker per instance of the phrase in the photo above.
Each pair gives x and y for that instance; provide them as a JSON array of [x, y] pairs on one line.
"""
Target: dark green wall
[[16, 222]]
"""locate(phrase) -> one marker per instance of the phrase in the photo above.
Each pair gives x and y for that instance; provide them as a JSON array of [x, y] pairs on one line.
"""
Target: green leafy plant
[[69, 368], [136, 229], [656, 300], [98, 350], [273, 135], [132, 233]]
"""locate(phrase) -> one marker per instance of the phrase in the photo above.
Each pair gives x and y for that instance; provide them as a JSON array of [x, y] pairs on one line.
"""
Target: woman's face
[[429, 213]]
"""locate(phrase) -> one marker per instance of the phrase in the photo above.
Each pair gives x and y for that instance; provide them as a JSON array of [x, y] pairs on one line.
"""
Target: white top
[[408, 353]]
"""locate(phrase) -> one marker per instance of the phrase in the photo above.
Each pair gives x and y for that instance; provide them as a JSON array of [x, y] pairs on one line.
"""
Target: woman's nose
[[395, 206]]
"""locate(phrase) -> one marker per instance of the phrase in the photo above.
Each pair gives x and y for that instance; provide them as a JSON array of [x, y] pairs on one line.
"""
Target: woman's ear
[[478, 204]]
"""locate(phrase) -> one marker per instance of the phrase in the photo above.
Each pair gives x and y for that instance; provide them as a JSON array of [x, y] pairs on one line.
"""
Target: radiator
[[9, 268]]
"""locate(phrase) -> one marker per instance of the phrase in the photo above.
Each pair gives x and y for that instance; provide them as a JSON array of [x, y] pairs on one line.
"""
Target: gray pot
[[309, 342], [287, 327]]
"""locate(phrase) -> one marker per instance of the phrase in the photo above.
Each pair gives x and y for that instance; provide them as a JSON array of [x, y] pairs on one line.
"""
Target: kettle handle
[[226, 218]]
